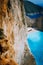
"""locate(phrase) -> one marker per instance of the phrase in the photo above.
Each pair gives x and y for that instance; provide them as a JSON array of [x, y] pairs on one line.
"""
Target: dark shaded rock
[[28, 58]]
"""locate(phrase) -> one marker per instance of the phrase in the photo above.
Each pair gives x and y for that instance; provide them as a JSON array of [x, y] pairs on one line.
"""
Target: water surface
[[35, 42]]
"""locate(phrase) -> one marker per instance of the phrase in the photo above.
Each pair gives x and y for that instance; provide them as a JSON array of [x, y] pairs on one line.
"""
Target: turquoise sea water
[[38, 2], [34, 15], [35, 42]]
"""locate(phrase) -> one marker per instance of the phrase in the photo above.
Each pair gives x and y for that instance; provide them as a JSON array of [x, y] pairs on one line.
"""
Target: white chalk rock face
[[13, 44], [13, 30]]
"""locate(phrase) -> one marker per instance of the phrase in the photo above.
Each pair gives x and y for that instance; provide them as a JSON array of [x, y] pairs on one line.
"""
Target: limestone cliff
[[12, 32]]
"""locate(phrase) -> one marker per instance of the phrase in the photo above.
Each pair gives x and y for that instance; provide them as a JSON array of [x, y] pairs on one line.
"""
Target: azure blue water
[[34, 15], [38, 2], [35, 42]]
